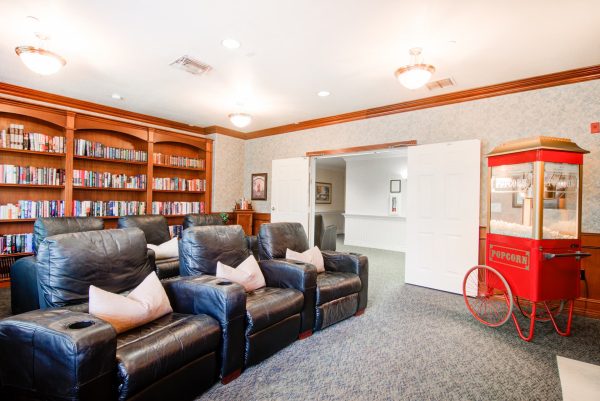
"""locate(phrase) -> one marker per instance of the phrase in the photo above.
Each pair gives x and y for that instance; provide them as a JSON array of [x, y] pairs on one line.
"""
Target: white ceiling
[[290, 50]]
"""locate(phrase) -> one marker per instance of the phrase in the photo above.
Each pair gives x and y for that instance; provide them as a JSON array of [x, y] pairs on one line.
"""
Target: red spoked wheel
[[487, 296], [541, 315]]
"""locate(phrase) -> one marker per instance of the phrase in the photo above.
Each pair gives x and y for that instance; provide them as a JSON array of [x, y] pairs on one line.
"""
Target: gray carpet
[[414, 344], [411, 344]]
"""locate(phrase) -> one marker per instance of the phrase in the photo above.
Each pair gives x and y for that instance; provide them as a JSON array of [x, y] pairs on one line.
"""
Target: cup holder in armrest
[[297, 262], [224, 283], [80, 325]]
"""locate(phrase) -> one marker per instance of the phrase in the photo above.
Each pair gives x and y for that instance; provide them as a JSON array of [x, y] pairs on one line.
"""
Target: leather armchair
[[156, 230], [197, 220], [23, 273], [342, 289], [275, 314], [64, 353], [325, 237]]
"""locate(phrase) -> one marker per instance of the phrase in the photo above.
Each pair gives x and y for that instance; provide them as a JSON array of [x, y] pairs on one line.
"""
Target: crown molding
[[216, 129], [45, 97], [520, 85]]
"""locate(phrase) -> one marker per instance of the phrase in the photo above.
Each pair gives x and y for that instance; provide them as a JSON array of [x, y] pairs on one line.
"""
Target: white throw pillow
[[147, 302], [247, 274], [312, 256], [166, 250]]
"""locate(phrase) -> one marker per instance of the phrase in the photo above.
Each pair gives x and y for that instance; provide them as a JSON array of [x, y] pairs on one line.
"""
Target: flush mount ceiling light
[[116, 96], [416, 74], [323, 94], [38, 59], [231, 43], [240, 120]]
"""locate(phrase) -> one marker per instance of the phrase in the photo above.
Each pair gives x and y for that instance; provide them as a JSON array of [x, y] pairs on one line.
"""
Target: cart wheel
[[487, 295], [541, 315]]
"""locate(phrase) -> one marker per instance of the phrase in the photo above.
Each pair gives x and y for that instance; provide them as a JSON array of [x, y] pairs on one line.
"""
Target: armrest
[[252, 244], [152, 258], [58, 354], [23, 285], [224, 301], [350, 263], [286, 273]]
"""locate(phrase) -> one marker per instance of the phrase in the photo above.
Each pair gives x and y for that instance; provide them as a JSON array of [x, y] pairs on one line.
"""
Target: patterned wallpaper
[[228, 171], [560, 111]]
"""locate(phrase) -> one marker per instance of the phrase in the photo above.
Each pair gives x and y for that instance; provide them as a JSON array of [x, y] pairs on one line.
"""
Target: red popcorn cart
[[533, 247]]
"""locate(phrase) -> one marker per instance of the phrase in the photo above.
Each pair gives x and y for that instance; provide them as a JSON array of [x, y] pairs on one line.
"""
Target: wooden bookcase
[[53, 122]]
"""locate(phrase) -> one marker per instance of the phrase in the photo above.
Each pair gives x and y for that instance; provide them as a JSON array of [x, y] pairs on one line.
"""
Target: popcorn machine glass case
[[533, 242]]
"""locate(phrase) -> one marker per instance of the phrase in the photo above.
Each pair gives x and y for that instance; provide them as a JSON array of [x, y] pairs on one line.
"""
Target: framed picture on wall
[[259, 187], [323, 192], [395, 186]]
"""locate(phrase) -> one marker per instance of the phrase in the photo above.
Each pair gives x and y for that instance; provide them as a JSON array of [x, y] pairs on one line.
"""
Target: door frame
[[331, 153]]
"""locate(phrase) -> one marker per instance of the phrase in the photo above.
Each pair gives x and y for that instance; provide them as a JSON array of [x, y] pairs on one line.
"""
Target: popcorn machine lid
[[535, 143]]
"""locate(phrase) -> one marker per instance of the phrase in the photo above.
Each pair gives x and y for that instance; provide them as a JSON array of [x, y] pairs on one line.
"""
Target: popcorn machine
[[533, 247]]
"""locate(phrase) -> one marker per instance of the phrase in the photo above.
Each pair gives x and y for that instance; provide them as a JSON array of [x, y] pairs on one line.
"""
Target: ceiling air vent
[[188, 64], [442, 83]]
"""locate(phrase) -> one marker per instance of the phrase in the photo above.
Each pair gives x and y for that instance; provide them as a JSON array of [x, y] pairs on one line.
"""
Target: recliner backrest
[[275, 238], [319, 228], [154, 226], [113, 260], [197, 219], [200, 248], [48, 226]]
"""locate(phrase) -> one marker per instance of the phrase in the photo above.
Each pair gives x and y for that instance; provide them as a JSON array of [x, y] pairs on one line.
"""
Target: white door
[[442, 213], [290, 191]]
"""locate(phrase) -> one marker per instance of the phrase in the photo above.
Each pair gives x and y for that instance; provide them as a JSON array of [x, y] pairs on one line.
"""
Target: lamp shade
[[40, 61], [414, 76], [240, 120]]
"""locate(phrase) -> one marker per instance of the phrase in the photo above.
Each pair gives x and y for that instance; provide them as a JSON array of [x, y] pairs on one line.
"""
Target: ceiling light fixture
[[240, 120], [231, 43], [323, 94], [38, 59], [416, 74], [116, 96]]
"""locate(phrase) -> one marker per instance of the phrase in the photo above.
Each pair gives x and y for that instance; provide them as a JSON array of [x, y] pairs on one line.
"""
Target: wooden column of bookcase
[[71, 125]]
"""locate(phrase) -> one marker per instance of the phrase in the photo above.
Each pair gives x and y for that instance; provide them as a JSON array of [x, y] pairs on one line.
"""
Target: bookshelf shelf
[[32, 152], [77, 187], [103, 159], [12, 221], [177, 192], [17, 255], [177, 167], [32, 186]]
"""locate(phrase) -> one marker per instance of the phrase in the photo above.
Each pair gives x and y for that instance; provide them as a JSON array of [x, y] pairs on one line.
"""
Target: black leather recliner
[[342, 289], [198, 220], [64, 353], [275, 314], [325, 237], [156, 229], [23, 273]]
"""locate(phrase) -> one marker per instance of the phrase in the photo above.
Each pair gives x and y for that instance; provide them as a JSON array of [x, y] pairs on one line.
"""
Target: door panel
[[443, 213], [290, 191]]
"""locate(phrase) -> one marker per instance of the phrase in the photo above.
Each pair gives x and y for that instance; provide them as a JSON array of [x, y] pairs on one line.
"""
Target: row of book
[[177, 207], [97, 179], [16, 243], [84, 147], [178, 161], [108, 208], [178, 184], [11, 174], [17, 138], [176, 230], [30, 209], [5, 264]]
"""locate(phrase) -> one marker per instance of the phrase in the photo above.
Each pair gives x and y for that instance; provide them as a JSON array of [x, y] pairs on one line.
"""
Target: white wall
[[228, 172], [369, 222], [333, 212], [565, 111]]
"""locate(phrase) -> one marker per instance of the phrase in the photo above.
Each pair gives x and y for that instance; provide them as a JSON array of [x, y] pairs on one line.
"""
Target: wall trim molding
[[46, 99], [357, 149], [520, 85]]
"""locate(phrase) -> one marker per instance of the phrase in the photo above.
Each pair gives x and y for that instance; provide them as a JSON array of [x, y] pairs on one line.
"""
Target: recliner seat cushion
[[269, 305], [148, 353], [335, 285]]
